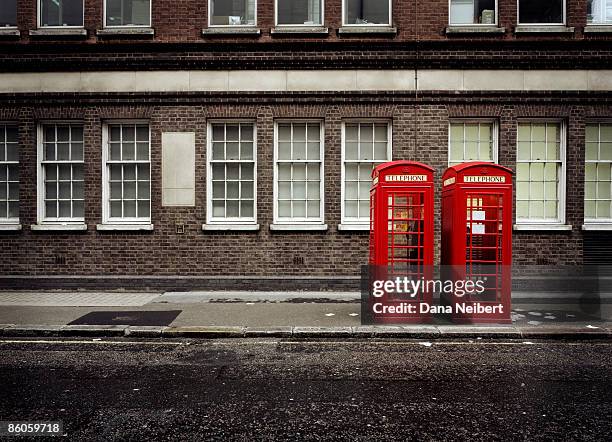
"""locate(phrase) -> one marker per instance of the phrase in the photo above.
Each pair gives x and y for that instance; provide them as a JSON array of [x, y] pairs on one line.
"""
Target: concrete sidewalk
[[266, 314]]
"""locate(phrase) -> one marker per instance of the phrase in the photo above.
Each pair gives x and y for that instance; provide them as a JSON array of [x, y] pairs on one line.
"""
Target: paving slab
[[93, 330], [268, 332], [477, 331], [204, 332], [34, 330], [321, 332], [75, 299], [144, 331]]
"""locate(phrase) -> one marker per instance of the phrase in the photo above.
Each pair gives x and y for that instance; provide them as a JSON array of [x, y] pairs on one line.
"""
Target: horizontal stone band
[[306, 80]]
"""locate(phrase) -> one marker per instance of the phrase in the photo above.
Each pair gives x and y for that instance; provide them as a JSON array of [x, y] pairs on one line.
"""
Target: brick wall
[[265, 253], [183, 20]]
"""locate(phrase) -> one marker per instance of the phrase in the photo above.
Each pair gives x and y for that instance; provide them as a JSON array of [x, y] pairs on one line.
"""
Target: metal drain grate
[[128, 318]]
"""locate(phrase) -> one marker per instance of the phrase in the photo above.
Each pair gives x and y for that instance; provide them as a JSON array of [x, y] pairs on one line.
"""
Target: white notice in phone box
[[478, 229], [478, 215]]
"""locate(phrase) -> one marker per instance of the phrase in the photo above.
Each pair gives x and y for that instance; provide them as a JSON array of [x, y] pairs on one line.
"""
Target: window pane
[[76, 151], [299, 150], [299, 209], [246, 171], [299, 12], [351, 209], [61, 12], [246, 150], [129, 172], [351, 150], [472, 12], [314, 172], [51, 209], [592, 151], [232, 208], [232, 12], [129, 190], [144, 210], [128, 151], [247, 209], [129, 208], [246, 132], [284, 209], [314, 151], [233, 189], [364, 12], [246, 189], [314, 190], [78, 209], [299, 190], [142, 151], [8, 13], [12, 153], [232, 151], [13, 209], [65, 209], [219, 209], [541, 11], [127, 12], [599, 11]]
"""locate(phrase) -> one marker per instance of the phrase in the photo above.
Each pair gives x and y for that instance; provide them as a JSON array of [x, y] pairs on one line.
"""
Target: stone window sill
[[484, 29], [597, 226], [10, 33], [543, 29], [59, 32], [367, 30], [10, 227], [125, 32], [236, 30], [313, 30], [124, 227], [353, 227], [230, 227], [542, 227], [58, 227], [598, 29], [298, 227]]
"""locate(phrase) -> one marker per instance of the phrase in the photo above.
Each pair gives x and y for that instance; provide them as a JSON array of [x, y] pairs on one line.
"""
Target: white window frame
[[561, 190], [210, 25], [354, 25], [603, 12], [450, 23], [494, 135], [277, 24], [129, 26], [5, 162], [300, 220], [106, 219], [40, 188], [346, 222], [15, 25], [596, 221], [518, 16], [229, 222], [41, 26]]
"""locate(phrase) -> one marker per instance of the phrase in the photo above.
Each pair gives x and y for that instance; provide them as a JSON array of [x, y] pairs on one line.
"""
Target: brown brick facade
[[265, 253], [183, 20], [420, 132]]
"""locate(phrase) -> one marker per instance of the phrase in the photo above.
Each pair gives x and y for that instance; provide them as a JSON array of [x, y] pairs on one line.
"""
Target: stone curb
[[303, 332]]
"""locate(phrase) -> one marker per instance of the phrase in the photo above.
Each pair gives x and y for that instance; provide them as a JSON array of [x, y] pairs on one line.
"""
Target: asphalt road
[[326, 390]]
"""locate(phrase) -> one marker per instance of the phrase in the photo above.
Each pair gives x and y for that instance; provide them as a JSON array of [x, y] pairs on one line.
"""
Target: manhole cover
[[128, 318]]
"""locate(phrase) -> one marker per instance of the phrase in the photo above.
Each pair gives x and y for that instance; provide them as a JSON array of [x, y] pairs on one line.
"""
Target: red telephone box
[[477, 240], [401, 235]]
